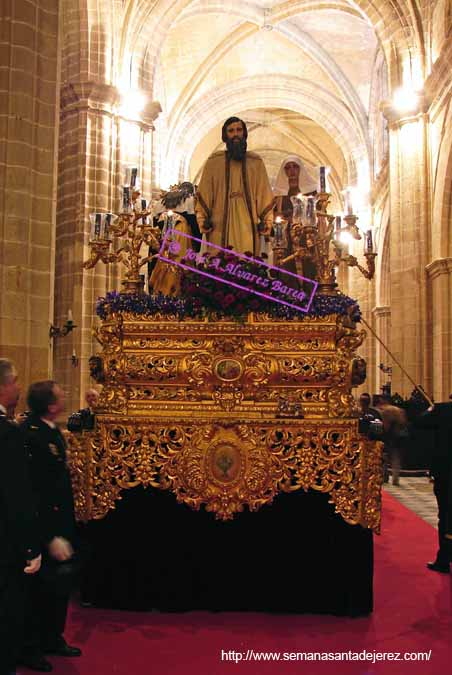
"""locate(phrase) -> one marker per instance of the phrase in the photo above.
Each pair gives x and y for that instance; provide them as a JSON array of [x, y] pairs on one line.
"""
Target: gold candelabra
[[134, 225], [316, 238], [313, 232]]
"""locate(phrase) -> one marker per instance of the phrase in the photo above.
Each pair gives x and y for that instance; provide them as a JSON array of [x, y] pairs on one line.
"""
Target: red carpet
[[413, 613]]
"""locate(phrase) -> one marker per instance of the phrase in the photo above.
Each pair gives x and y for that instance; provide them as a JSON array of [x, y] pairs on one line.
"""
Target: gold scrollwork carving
[[197, 367], [226, 466], [152, 368], [227, 396]]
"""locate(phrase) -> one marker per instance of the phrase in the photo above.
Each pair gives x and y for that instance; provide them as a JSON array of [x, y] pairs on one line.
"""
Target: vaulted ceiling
[[299, 73]]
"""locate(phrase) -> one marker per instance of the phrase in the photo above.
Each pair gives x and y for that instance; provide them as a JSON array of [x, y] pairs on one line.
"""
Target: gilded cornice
[[439, 267]]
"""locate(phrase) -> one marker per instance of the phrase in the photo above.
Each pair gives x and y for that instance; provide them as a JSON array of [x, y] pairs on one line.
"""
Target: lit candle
[[69, 316], [348, 202], [144, 219], [74, 355], [107, 223], [170, 220], [130, 179], [310, 211], [322, 179], [125, 198], [298, 208], [278, 229], [368, 242], [97, 226], [338, 223]]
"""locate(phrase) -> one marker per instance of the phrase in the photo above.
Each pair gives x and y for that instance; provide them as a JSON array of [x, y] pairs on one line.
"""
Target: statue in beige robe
[[234, 196]]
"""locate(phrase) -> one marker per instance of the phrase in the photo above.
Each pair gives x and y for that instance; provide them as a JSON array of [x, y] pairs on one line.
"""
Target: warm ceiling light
[[405, 100], [132, 104]]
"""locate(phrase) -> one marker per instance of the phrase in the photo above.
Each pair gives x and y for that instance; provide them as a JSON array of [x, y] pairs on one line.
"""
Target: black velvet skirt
[[295, 555]]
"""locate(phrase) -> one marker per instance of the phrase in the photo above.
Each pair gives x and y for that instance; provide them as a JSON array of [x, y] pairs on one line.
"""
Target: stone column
[[96, 140], [382, 327], [409, 246], [440, 292], [29, 98]]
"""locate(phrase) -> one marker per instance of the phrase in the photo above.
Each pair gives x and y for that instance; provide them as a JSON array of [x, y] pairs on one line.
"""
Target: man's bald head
[[91, 397]]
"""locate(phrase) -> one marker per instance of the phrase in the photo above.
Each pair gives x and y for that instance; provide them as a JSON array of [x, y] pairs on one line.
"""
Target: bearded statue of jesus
[[234, 200]]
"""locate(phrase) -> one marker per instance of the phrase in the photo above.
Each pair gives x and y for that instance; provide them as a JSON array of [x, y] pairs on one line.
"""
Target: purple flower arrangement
[[203, 296], [145, 304]]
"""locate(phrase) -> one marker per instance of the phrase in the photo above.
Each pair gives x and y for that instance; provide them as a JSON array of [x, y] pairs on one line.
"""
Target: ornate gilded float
[[227, 415], [224, 413]]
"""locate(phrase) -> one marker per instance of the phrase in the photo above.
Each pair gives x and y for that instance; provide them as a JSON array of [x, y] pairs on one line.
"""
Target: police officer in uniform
[[46, 614], [19, 544]]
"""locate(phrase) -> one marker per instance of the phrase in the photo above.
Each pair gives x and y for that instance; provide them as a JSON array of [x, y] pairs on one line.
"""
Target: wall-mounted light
[[68, 327]]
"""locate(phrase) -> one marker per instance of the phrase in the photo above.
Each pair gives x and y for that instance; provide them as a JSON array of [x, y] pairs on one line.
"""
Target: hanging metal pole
[[421, 391]]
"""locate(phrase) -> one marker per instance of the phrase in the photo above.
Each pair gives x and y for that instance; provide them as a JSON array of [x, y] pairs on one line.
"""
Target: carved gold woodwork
[[194, 406], [227, 466]]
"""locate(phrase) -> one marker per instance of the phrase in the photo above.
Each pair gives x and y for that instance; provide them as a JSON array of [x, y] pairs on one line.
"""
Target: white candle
[[69, 316], [348, 202], [322, 179], [368, 242], [278, 229]]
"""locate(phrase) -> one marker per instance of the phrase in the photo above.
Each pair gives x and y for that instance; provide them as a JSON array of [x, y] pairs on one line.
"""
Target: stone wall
[[29, 98]]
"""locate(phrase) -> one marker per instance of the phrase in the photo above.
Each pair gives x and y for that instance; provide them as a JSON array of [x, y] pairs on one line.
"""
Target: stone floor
[[416, 493]]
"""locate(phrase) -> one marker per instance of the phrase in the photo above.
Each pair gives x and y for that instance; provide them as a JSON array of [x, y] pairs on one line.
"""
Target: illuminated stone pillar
[[95, 142], [440, 294], [409, 248], [29, 96]]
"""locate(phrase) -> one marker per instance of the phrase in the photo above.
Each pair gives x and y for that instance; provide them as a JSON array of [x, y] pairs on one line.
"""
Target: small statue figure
[[96, 369], [359, 369]]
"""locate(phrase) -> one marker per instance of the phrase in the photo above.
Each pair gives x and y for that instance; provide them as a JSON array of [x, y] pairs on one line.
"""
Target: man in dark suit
[[19, 544], [46, 616], [439, 419]]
